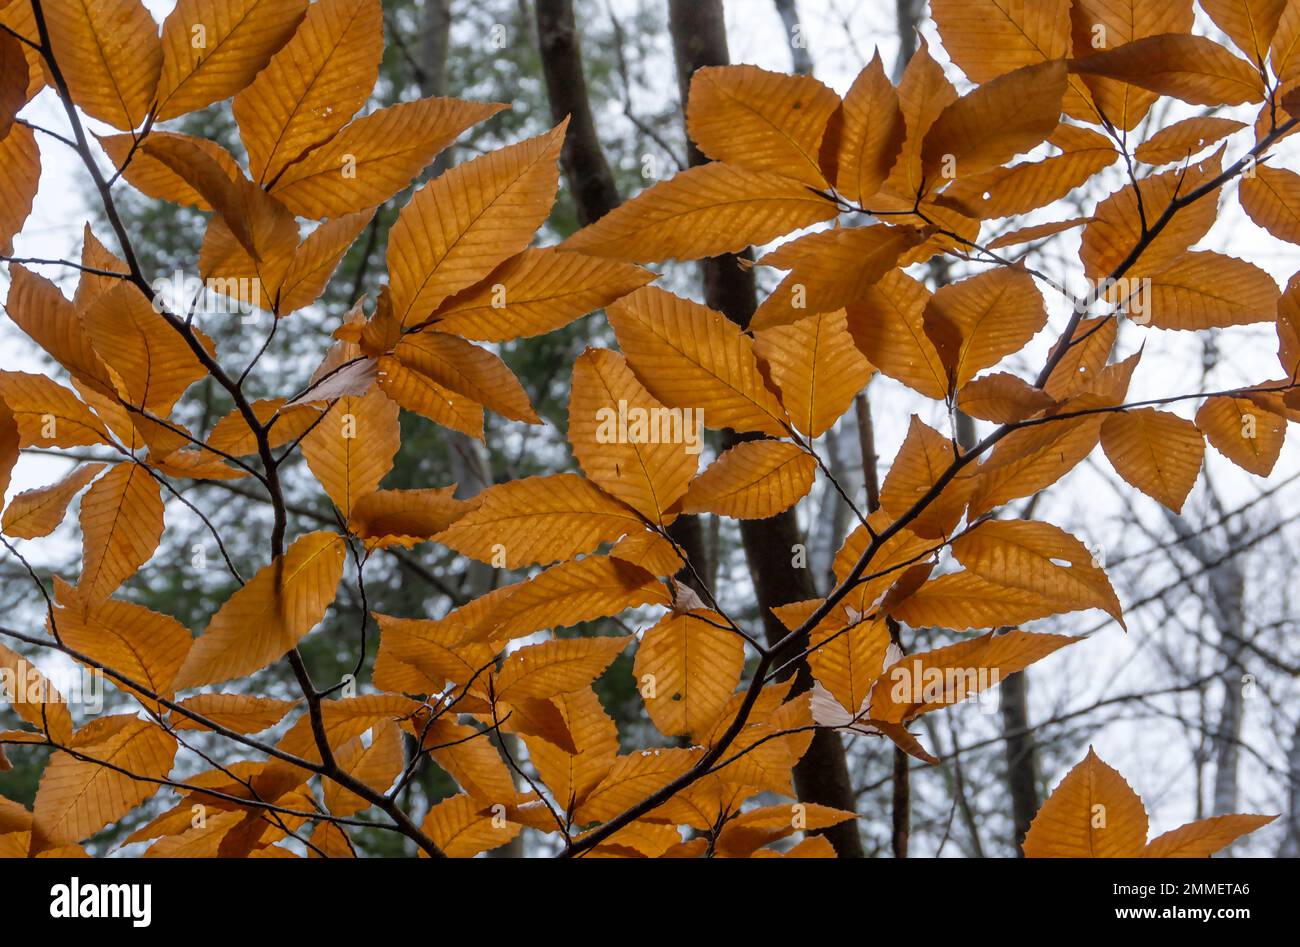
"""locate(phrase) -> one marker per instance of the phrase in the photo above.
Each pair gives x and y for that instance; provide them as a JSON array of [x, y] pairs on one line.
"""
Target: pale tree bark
[[699, 39], [795, 36], [1226, 603], [1291, 840]]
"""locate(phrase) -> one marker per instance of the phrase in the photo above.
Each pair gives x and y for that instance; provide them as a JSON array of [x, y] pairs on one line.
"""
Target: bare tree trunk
[[471, 462], [794, 33], [590, 181], [1291, 841], [699, 38], [592, 184]]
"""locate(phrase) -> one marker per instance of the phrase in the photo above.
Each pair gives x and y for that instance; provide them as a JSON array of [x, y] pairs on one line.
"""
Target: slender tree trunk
[[590, 181], [592, 185], [699, 39], [795, 35], [1291, 841], [471, 463]]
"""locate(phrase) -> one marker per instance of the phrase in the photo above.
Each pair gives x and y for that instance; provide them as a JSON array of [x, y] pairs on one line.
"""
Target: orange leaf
[[864, 136], [212, 50], [704, 211], [35, 513], [817, 368], [616, 430], [1271, 198], [695, 359], [1192, 68], [752, 480], [459, 226], [687, 668], [1244, 432], [375, 157], [760, 120], [1203, 838], [537, 291], [1093, 813], [312, 85], [1155, 451], [268, 615], [539, 520], [976, 322], [121, 525], [110, 56], [352, 449]]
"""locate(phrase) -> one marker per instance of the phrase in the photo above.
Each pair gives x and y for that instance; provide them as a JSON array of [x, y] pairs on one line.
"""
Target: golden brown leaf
[[460, 225], [375, 156], [1101, 24], [920, 683], [121, 526], [1002, 398], [686, 670], [405, 517], [267, 616], [816, 367], [1116, 227], [752, 480], [352, 449], [1271, 198], [554, 667], [864, 136], [463, 827], [539, 520], [33, 698], [150, 363], [311, 86], [1181, 140], [704, 211], [153, 177], [35, 513], [978, 321], [110, 56], [887, 323], [377, 765], [760, 120], [924, 457], [1242, 431], [629, 456], [830, 269], [1192, 68], [77, 797], [1203, 838], [20, 176], [212, 49], [992, 124], [468, 370], [1039, 558], [568, 594], [1155, 451], [1093, 813], [1250, 24], [242, 713], [696, 360], [537, 291]]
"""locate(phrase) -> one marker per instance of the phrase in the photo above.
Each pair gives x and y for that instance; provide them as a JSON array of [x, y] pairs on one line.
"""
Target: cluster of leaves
[[930, 166]]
